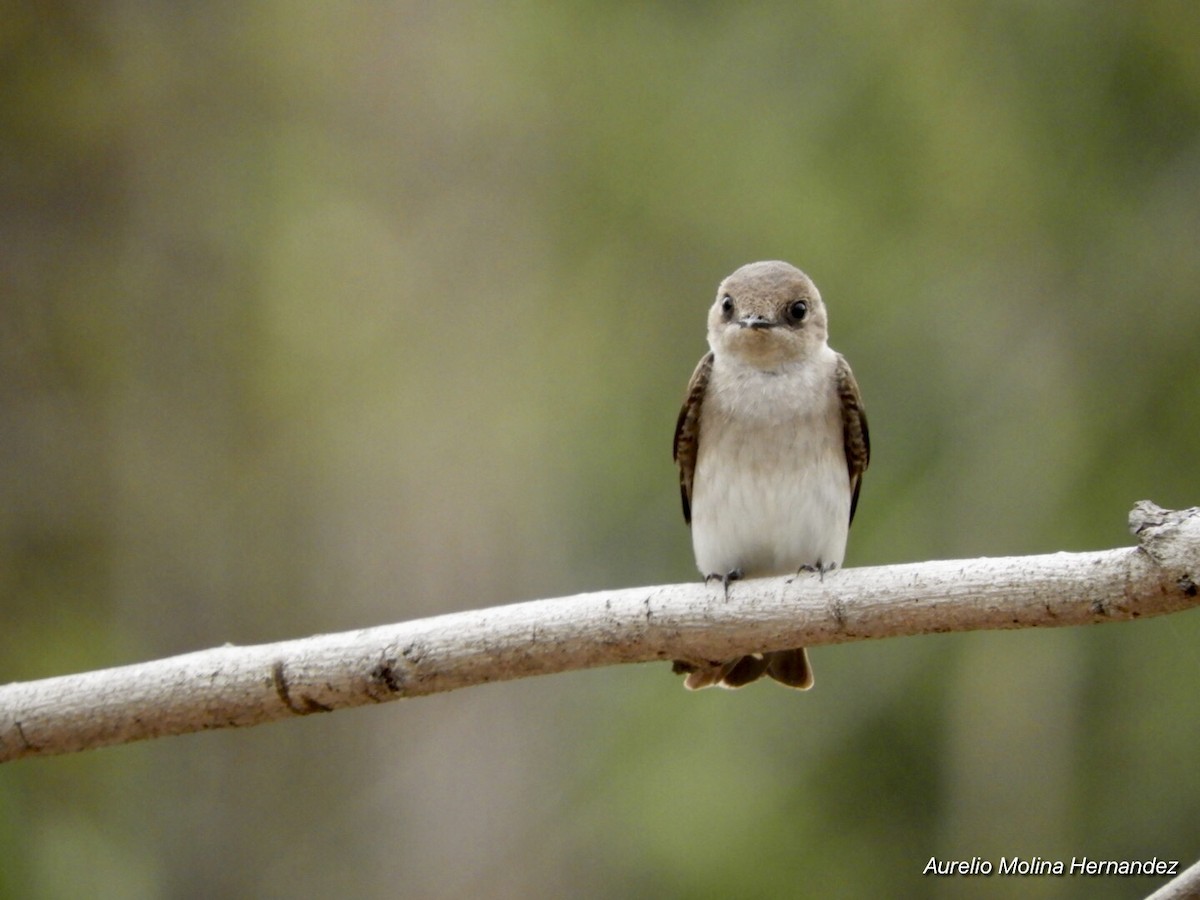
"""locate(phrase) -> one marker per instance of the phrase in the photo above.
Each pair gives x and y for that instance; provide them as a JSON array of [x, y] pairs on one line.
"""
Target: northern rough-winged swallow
[[771, 445]]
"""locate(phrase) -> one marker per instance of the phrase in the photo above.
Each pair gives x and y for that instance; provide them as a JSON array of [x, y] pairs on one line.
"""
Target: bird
[[771, 445]]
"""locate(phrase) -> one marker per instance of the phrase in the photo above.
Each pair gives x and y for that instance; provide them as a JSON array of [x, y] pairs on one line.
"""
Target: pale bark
[[1185, 886], [236, 686]]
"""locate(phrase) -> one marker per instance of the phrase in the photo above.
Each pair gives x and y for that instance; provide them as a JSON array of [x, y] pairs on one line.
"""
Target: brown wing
[[854, 429], [687, 432]]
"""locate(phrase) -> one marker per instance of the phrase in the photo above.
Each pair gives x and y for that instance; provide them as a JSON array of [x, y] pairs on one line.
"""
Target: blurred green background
[[316, 316]]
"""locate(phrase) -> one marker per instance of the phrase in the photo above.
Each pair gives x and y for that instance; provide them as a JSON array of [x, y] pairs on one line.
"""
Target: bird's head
[[767, 315]]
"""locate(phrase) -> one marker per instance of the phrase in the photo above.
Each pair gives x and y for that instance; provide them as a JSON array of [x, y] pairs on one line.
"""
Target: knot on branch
[[1172, 539]]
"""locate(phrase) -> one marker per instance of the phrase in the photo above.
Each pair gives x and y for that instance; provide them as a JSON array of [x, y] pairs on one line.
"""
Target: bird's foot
[[730, 576], [820, 569]]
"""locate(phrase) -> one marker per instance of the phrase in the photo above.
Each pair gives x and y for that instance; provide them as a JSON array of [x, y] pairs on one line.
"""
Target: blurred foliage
[[314, 316]]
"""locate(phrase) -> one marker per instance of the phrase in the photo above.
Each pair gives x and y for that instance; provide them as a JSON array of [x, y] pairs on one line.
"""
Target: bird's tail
[[788, 667]]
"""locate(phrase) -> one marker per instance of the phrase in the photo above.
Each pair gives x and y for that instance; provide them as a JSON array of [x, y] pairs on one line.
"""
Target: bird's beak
[[756, 322]]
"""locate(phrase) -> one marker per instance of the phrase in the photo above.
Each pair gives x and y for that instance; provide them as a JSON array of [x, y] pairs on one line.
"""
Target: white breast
[[771, 490]]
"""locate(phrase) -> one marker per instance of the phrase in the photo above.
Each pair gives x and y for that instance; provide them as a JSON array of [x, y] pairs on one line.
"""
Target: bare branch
[[1185, 886], [237, 686]]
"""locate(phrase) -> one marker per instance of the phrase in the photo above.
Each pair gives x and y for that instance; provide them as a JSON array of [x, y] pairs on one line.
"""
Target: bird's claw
[[725, 579], [820, 569]]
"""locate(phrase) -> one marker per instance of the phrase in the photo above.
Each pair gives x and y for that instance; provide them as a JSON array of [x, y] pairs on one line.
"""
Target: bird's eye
[[797, 311], [727, 307]]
